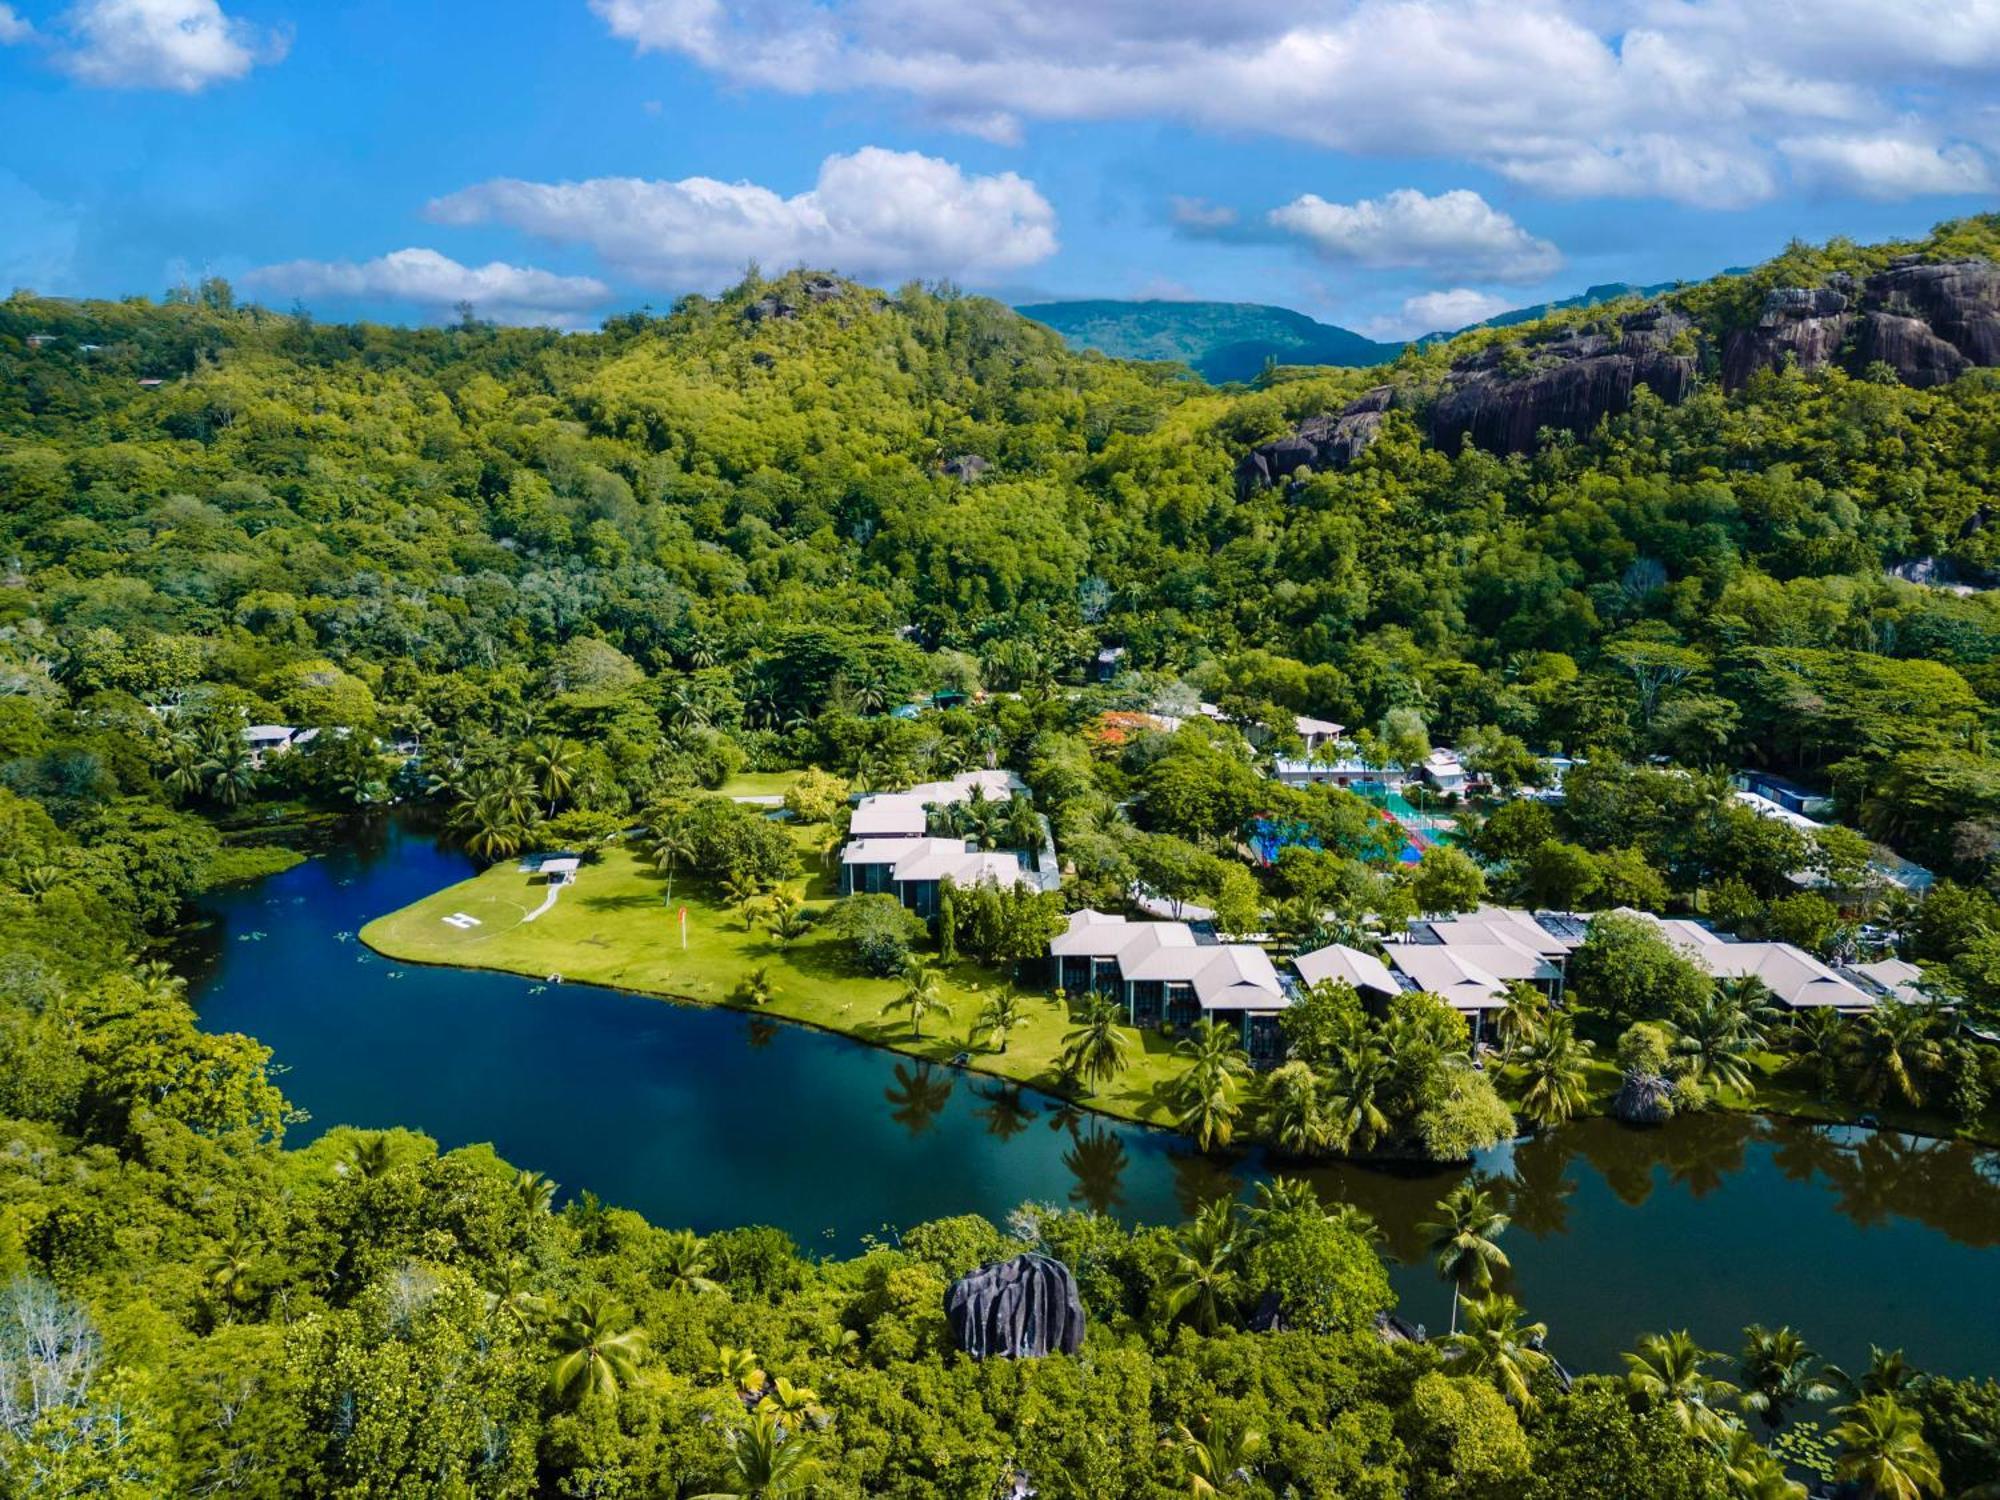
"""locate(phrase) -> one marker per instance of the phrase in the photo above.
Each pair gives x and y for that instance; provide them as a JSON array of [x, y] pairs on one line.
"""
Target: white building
[[1161, 972]]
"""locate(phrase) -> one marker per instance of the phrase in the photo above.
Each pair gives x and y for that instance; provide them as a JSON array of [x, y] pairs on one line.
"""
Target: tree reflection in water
[[918, 1096], [1005, 1110], [762, 1032], [1097, 1159]]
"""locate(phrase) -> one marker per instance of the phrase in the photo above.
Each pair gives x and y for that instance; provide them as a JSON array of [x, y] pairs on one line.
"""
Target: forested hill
[[1220, 341], [434, 512]]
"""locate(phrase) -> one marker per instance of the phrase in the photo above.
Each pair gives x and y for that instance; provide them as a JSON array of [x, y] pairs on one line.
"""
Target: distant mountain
[[1220, 340]]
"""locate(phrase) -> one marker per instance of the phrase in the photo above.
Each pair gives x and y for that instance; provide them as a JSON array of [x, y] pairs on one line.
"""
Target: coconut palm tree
[[1214, 1051], [1095, 1051], [1667, 1369], [1883, 1452], [740, 1370], [596, 1352], [767, 1461], [1464, 1242], [1779, 1369], [1554, 1064], [1202, 1280], [185, 777], [228, 1268], [227, 767], [756, 987], [998, 1017], [1521, 1019], [1206, 1109], [790, 920], [1221, 1456], [553, 764], [1896, 1050], [1498, 1345], [1713, 1041], [1889, 1373], [1358, 1081], [369, 1155], [797, 1403], [1293, 1114], [922, 995], [668, 845], [1820, 1039], [681, 1265], [510, 1300], [536, 1192], [1755, 1473]]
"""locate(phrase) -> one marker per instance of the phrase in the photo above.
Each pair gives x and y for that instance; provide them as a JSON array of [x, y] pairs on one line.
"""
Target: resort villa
[[1166, 973], [890, 849]]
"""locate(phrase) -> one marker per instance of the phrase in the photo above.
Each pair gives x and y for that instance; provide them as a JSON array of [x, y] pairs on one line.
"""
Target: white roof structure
[[891, 815], [1097, 934], [1897, 978], [1505, 925], [1238, 976], [996, 786], [269, 734], [1793, 976], [1308, 727], [1224, 976], [1450, 975], [936, 859], [1344, 965], [1443, 765], [561, 864]]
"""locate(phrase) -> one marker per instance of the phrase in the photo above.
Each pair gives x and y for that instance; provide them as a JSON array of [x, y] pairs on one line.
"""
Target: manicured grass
[[615, 927], [759, 784]]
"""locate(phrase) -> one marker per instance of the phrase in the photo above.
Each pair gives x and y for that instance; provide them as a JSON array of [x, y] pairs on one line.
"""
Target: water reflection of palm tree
[[763, 1031], [1539, 1192], [1097, 1158], [918, 1096], [1201, 1179], [1006, 1111]]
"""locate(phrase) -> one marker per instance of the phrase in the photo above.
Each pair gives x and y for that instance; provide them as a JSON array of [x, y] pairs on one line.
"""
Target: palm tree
[[369, 1155], [1201, 1279], [1497, 1345], [1554, 1066], [998, 1017], [596, 1353], [740, 1370], [554, 764], [227, 767], [1888, 1374], [790, 920], [509, 1299], [756, 987], [680, 1264], [741, 892], [1755, 1473], [1883, 1452], [1896, 1047], [1820, 1041], [1292, 1113], [1521, 1020], [1713, 1040], [185, 776], [798, 1402], [922, 995], [1779, 1368], [1667, 1369], [1358, 1080], [1221, 1457], [1095, 1051], [766, 1461], [1214, 1051], [669, 846], [536, 1192], [228, 1269], [1206, 1109], [1464, 1242]]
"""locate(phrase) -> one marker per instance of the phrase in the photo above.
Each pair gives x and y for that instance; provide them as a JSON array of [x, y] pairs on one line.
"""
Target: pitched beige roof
[[892, 814], [1448, 974], [1347, 966]]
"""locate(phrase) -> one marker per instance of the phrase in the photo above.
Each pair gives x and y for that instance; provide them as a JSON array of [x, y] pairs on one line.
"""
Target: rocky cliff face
[[1021, 1308], [1929, 323], [1332, 440], [1569, 382]]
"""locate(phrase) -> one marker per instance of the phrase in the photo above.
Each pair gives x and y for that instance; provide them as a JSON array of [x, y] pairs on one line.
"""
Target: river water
[[710, 1118]]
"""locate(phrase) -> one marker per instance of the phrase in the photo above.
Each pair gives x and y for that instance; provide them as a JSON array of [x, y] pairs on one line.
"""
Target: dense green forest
[[532, 577], [1220, 341]]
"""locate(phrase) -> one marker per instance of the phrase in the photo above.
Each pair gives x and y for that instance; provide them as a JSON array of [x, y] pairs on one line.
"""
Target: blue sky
[[1392, 165]]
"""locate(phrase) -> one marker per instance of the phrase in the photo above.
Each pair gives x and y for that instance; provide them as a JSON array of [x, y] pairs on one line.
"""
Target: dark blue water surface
[[711, 1118]]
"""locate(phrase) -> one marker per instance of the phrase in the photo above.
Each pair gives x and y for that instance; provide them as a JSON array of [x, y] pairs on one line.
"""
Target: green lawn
[[759, 784], [614, 926]]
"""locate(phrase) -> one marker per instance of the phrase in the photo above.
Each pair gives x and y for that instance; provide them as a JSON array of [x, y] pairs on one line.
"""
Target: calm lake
[[711, 1118]]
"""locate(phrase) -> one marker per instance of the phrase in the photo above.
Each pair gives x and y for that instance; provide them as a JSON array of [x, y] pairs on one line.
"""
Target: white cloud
[[1198, 214], [437, 283], [1455, 233], [1886, 166], [1686, 99], [13, 27], [874, 213], [184, 45], [1437, 312]]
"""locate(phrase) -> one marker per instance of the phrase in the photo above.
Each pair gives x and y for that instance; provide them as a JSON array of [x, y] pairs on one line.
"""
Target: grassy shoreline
[[615, 928]]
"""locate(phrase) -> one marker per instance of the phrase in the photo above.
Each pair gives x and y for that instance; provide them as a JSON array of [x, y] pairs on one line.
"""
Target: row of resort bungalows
[[1170, 973]]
